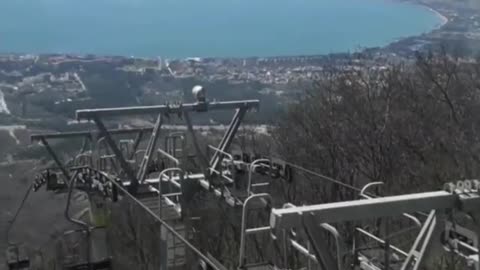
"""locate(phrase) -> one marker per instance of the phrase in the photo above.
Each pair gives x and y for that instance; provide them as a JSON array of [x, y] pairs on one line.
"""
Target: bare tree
[[411, 126]]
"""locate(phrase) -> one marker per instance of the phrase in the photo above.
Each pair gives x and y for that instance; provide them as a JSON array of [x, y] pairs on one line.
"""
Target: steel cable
[[19, 209], [168, 227]]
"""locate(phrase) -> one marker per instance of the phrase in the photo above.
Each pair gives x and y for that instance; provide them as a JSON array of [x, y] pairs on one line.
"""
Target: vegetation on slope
[[413, 127]]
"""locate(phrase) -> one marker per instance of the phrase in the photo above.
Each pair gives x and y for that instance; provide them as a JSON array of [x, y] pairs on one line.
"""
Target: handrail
[[166, 225], [261, 196], [338, 243], [367, 186], [332, 230], [381, 241], [86, 154], [140, 151], [232, 162], [160, 195], [180, 134], [163, 266], [250, 171], [222, 175], [364, 195], [167, 155], [298, 246], [101, 143], [303, 250]]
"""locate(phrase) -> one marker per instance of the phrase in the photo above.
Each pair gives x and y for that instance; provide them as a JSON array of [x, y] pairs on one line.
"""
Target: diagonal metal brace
[[418, 252], [203, 160], [118, 154], [138, 139], [322, 253], [142, 171], [227, 138], [60, 165]]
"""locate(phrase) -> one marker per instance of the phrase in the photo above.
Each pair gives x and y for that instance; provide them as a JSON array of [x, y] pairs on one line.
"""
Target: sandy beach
[[442, 17]]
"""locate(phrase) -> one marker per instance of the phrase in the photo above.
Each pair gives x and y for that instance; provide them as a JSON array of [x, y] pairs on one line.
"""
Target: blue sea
[[206, 28]]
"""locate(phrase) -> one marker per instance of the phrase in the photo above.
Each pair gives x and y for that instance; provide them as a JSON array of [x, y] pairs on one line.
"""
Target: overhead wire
[[335, 181], [173, 231], [324, 177], [19, 209], [338, 182], [168, 227]]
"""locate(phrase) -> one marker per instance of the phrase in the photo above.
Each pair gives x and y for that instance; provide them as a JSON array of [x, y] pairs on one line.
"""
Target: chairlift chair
[[16, 260], [90, 260]]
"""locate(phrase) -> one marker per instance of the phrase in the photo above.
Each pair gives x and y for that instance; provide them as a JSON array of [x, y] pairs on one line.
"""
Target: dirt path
[[11, 131], [3, 104]]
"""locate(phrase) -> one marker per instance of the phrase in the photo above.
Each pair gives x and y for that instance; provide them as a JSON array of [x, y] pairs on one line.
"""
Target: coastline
[[442, 17], [400, 44], [457, 30], [436, 8]]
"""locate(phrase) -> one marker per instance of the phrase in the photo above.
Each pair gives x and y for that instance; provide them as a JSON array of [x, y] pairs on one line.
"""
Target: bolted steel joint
[[460, 186], [467, 185], [450, 187], [476, 185]]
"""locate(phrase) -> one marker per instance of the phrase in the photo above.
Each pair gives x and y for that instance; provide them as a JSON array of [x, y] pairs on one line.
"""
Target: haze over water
[[217, 28]]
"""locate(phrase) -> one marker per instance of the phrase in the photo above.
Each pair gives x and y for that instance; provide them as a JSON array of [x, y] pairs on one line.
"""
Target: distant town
[[68, 81], [40, 94]]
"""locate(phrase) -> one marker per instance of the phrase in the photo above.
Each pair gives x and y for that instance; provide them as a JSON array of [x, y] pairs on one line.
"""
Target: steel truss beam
[[89, 134], [374, 208], [123, 163], [96, 115], [166, 109], [463, 197], [200, 177], [43, 138]]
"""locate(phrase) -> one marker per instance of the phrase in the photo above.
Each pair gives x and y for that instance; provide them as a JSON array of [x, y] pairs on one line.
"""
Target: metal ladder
[[175, 250], [242, 263], [175, 146]]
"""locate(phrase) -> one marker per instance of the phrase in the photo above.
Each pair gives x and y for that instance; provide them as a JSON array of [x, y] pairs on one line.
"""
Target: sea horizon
[[309, 42]]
